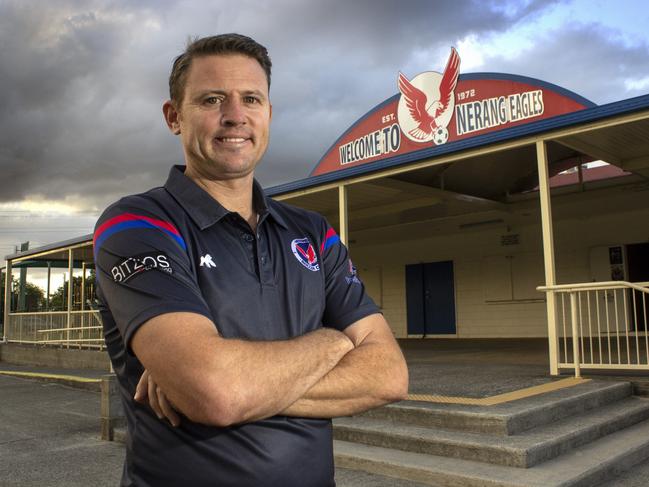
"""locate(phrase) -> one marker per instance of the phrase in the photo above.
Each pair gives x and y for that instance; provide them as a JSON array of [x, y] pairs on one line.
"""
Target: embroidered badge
[[305, 253]]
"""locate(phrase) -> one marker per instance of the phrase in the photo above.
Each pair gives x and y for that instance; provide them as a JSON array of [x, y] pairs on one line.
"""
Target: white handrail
[[593, 286], [628, 306]]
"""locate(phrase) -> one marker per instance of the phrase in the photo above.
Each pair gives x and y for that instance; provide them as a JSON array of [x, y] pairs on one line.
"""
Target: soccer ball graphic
[[440, 136]]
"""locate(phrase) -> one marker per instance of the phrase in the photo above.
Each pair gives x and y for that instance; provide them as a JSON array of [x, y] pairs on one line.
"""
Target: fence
[[602, 325], [80, 329]]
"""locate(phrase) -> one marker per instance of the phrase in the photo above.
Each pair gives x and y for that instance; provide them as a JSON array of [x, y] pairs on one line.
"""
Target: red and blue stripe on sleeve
[[128, 221], [331, 238]]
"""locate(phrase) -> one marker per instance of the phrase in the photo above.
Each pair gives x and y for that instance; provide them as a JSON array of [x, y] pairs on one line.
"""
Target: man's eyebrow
[[258, 93], [203, 93]]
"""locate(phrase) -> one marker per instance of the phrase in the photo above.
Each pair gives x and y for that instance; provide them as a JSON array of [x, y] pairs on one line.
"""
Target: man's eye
[[251, 99], [212, 100]]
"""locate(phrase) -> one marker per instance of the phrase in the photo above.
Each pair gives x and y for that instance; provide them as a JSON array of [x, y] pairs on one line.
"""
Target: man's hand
[[147, 388]]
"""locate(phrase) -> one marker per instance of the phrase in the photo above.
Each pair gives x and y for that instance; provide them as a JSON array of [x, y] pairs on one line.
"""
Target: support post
[[342, 209], [83, 297], [70, 281], [49, 278], [548, 253], [7, 298], [575, 334], [112, 412]]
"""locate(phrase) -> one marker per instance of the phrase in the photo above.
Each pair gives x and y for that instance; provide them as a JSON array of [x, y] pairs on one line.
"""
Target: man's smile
[[232, 141]]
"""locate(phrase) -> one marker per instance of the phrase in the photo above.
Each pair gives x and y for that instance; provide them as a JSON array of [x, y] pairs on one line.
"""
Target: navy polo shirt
[[175, 249]]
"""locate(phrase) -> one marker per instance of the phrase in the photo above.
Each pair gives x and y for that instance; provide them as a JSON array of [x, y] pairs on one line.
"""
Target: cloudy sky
[[82, 82]]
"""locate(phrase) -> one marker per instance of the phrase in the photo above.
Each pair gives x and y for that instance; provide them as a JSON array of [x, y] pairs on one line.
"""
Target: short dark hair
[[207, 46]]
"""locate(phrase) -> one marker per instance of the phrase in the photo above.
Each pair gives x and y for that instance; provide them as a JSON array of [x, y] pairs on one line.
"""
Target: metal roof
[[52, 246]]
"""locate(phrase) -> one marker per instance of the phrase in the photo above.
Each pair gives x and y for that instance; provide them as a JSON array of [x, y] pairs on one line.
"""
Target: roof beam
[[636, 164], [590, 150], [438, 194], [413, 189], [396, 207]]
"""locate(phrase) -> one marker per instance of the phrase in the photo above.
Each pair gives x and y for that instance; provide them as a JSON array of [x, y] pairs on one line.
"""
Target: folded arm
[[218, 381], [373, 374]]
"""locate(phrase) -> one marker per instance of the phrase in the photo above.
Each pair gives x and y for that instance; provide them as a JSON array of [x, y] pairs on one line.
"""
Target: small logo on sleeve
[[137, 264], [352, 278], [305, 253]]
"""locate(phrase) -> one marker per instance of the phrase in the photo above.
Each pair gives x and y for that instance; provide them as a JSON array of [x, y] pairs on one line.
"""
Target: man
[[241, 318]]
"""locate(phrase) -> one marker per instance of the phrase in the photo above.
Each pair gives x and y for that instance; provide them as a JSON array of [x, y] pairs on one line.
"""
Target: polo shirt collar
[[203, 209]]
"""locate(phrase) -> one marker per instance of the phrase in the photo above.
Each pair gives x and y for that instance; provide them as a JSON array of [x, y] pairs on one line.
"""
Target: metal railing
[[80, 329], [602, 325]]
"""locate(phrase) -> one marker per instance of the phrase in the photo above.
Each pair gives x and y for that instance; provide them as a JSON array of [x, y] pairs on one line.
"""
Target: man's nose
[[233, 112]]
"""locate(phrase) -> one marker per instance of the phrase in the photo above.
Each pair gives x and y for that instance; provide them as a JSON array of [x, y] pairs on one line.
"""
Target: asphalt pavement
[[49, 436]]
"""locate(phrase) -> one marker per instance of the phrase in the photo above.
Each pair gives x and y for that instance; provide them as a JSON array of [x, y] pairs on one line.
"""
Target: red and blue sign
[[433, 109]]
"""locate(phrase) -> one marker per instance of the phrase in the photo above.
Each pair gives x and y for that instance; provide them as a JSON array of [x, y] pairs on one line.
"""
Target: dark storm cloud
[[591, 60], [67, 116], [82, 83], [336, 60]]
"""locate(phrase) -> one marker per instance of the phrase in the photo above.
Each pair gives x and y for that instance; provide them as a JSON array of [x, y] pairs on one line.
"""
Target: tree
[[59, 298], [34, 297]]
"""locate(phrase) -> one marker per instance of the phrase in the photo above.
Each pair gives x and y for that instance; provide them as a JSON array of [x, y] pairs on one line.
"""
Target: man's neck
[[233, 194]]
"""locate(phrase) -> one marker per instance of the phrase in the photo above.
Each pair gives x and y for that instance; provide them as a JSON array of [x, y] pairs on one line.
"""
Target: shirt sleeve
[[143, 268], [346, 298]]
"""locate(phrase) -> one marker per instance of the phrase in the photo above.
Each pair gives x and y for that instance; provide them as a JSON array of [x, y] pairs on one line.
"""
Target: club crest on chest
[[305, 253]]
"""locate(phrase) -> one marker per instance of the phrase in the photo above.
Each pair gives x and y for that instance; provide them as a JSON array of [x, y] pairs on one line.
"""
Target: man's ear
[[171, 117]]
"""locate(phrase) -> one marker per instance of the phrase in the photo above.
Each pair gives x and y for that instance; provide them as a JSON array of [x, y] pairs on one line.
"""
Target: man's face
[[225, 116]]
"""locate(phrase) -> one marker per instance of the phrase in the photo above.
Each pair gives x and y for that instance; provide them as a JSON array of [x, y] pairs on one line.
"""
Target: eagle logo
[[427, 102], [305, 253]]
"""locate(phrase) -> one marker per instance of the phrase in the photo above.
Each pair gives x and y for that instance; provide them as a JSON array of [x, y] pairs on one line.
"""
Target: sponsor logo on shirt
[[206, 261], [352, 278], [137, 264], [305, 253]]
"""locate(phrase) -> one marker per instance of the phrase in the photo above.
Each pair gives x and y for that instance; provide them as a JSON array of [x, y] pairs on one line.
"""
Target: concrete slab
[[475, 368]]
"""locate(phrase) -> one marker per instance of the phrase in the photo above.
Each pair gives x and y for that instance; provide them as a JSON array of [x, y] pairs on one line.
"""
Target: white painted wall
[[495, 284]]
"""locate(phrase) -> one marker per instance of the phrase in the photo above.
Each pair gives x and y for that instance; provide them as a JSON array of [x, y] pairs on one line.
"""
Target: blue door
[[430, 298]]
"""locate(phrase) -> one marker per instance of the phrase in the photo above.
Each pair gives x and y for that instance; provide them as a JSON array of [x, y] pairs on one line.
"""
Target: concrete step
[[637, 476], [357, 478], [523, 451], [585, 466], [507, 418]]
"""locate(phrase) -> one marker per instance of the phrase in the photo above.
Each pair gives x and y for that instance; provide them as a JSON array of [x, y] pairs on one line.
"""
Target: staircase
[[578, 436]]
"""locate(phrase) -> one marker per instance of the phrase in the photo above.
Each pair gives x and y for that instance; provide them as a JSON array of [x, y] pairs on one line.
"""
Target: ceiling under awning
[[625, 145], [486, 182]]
